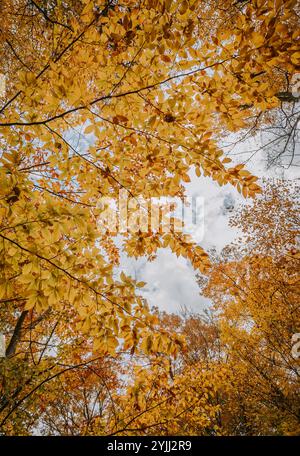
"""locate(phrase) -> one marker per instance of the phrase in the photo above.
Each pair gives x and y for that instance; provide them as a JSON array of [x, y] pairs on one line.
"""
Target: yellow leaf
[[89, 129]]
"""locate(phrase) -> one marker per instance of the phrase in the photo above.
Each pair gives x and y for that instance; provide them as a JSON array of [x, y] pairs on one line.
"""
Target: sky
[[171, 281]]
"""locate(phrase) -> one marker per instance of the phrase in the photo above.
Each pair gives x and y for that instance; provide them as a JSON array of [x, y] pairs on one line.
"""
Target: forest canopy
[[100, 97]]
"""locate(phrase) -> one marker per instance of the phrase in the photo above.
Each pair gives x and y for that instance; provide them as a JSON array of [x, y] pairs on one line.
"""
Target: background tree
[[255, 290]]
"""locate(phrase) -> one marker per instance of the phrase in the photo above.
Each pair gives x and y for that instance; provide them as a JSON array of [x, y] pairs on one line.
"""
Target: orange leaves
[[295, 58], [26, 78], [183, 245], [132, 98], [244, 181], [89, 129], [184, 7], [257, 39], [186, 178], [249, 286]]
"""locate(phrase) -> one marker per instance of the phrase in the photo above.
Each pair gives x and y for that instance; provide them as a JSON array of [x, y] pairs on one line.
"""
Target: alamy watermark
[[156, 215]]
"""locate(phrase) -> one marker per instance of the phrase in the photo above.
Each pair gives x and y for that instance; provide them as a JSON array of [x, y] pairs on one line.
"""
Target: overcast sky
[[171, 281]]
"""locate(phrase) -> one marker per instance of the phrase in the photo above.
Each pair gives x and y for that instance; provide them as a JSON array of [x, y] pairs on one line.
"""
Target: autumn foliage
[[104, 96]]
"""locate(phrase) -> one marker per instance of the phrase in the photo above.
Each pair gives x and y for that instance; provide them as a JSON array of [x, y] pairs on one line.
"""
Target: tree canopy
[[108, 96]]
